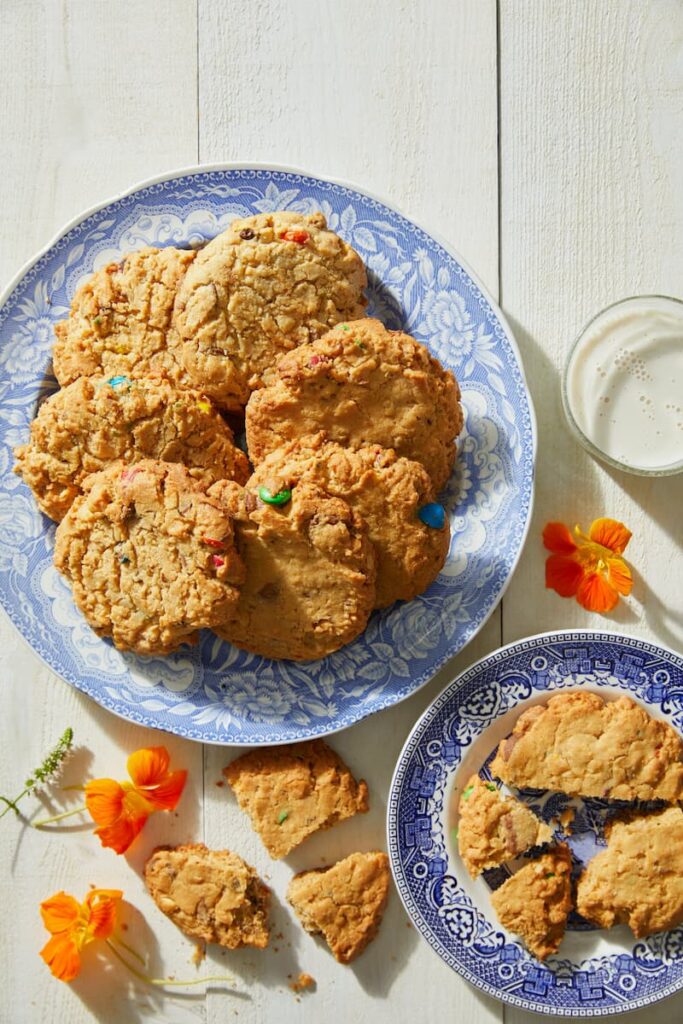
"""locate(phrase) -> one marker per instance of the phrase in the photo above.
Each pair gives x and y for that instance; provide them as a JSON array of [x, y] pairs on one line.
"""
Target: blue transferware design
[[596, 972], [214, 692]]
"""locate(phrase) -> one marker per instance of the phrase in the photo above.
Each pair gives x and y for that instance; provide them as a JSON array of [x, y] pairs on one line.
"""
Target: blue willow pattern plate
[[214, 692], [595, 972]]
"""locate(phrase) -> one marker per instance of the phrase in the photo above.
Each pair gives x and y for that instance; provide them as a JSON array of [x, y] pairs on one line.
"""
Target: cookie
[[310, 572], [211, 895], [389, 493], [361, 384], [264, 286], [150, 557], [344, 903], [95, 420], [535, 902], [292, 791], [638, 879], [582, 745], [120, 320], [493, 829]]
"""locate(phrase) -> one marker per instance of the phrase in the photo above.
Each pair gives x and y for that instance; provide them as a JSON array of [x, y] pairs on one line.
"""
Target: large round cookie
[[310, 573], [121, 317], [151, 558], [361, 384], [388, 493], [264, 286], [97, 420]]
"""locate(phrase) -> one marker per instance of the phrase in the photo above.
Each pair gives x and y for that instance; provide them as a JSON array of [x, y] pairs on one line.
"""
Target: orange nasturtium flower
[[73, 925], [589, 568], [122, 808]]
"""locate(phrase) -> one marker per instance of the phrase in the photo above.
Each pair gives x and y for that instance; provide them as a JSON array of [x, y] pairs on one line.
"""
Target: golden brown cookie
[[582, 745], [638, 879], [120, 320], [361, 384], [210, 894], [96, 420], [493, 829], [310, 572], [150, 557], [292, 791], [265, 285], [535, 902], [386, 491], [344, 903]]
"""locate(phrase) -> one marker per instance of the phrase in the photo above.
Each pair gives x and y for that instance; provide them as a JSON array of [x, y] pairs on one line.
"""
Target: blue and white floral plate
[[596, 972], [214, 692]]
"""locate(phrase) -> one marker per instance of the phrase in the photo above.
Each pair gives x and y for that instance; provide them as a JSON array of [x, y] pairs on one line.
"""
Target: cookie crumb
[[220, 783], [303, 982], [566, 818], [199, 954]]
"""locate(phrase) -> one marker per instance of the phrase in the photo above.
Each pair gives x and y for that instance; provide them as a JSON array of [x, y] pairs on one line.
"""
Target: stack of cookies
[[164, 526]]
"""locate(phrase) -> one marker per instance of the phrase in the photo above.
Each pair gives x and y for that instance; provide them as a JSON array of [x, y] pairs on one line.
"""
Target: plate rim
[[194, 169], [450, 690]]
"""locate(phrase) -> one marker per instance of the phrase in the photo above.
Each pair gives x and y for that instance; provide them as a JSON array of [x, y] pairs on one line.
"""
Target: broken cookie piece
[[344, 903], [292, 791], [638, 879], [210, 894], [535, 902], [493, 829]]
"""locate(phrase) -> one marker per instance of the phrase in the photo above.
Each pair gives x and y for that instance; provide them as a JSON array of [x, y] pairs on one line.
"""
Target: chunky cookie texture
[[344, 903], [535, 902], [638, 879], [361, 384], [581, 745], [493, 829], [96, 420], [264, 286], [292, 791], [210, 894], [120, 320], [310, 572], [150, 557], [386, 491]]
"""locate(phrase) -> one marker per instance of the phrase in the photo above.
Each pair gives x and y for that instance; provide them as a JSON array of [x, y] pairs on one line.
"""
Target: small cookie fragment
[[361, 384], [638, 879], [265, 285], [535, 902], [493, 829], [310, 571], [292, 791], [96, 420], [386, 491], [344, 903], [211, 895], [303, 982], [120, 320], [150, 557], [582, 745]]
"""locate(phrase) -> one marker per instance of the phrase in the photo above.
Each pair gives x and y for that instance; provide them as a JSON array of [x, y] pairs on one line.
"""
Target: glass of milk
[[623, 385]]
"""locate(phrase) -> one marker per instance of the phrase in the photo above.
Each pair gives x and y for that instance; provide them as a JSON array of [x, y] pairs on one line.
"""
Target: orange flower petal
[[103, 905], [563, 575], [104, 800], [610, 533], [62, 957], [121, 833], [558, 539], [60, 912], [596, 594], [166, 795], [619, 575], [147, 767]]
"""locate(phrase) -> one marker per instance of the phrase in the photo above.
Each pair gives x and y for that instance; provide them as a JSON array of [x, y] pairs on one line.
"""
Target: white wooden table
[[544, 138]]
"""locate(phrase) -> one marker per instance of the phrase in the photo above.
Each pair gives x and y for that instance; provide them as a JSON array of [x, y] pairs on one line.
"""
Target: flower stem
[[12, 804], [58, 817], [133, 952], [163, 982]]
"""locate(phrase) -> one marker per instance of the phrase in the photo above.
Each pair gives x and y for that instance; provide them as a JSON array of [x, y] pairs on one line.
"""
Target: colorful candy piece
[[115, 381], [281, 498], [300, 237], [217, 561], [213, 543], [433, 514], [204, 406]]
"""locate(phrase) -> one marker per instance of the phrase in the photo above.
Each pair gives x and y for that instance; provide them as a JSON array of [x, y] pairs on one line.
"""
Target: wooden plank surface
[[591, 135]]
